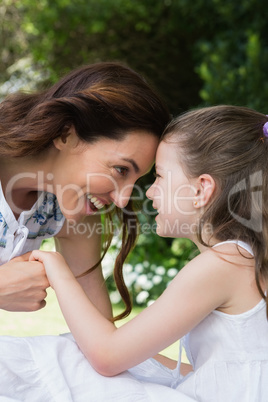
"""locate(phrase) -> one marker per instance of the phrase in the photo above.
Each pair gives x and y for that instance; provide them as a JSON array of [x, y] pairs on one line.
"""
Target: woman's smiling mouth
[[94, 202]]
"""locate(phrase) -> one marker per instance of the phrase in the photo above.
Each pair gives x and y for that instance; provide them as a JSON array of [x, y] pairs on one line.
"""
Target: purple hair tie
[[265, 129]]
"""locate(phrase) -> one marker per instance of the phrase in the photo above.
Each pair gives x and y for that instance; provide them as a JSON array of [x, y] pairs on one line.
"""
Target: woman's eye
[[156, 175], [123, 171]]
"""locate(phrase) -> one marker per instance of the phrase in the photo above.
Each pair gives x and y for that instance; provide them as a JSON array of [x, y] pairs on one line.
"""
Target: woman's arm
[[23, 285], [197, 290], [80, 244]]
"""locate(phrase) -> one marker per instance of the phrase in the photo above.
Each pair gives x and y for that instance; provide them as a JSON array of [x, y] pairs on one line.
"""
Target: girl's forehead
[[163, 145], [166, 155], [166, 147]]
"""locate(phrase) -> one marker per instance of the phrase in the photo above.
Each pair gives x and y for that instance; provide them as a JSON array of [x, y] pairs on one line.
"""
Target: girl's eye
[[123, 171], [156, 175]]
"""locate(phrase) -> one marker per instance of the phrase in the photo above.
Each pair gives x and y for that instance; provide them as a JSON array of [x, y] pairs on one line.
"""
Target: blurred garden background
[[195, 53]]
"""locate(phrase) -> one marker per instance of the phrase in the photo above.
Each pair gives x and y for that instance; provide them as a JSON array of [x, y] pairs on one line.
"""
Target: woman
[[65, 154]]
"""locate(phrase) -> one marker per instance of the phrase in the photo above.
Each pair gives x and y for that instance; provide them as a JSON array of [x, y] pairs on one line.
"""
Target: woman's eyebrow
[[133, 163]]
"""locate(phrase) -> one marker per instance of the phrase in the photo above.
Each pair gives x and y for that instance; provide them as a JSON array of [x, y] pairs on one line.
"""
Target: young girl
[[211, 187]]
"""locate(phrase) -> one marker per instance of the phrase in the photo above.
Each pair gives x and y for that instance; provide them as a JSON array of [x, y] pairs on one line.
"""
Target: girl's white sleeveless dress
[[229, 355]]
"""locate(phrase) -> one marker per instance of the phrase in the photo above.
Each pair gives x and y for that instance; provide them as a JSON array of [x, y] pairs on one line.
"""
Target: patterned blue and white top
[[17, 237]]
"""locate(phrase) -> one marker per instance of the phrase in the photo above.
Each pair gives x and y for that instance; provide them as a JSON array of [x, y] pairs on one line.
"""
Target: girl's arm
[[80, 244], [199, 288]]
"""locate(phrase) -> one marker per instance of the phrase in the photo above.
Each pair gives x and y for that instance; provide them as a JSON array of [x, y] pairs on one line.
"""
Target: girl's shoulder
[[202, 286], [223, 254], [234, 252], [233, 266], [231, 251], [210, 274], [226, 269]]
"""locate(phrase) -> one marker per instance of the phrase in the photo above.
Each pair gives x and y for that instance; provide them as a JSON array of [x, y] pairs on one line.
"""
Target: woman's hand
[[23, 285], [55, 266]]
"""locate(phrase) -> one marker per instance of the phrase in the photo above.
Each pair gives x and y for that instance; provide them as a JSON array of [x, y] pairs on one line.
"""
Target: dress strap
[[240, 243]]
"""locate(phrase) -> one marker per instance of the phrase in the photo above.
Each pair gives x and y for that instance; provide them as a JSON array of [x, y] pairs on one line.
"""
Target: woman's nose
[[120, 197]]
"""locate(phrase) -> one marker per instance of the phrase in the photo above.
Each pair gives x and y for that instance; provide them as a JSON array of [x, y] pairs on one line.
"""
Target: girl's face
[[172, 194], [87, 177]]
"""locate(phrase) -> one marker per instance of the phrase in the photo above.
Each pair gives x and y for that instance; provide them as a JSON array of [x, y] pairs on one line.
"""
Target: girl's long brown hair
[[227, 142], [102, 100]]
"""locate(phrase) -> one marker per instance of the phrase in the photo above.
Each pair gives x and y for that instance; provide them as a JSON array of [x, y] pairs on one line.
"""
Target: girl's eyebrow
[[133, 163]]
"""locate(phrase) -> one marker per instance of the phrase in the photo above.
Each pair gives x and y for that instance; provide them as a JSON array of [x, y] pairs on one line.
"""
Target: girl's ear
[[204, 190], [68, 138]]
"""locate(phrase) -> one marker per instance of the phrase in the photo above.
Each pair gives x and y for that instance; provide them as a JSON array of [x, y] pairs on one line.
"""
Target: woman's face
[[172, 194], [88, 176]]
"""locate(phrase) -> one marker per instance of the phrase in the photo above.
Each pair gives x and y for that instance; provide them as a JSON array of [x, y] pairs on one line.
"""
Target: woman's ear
[[204, 190], [68, 138]]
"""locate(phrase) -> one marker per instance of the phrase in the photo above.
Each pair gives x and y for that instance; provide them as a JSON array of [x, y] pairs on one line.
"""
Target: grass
[[50, 321]]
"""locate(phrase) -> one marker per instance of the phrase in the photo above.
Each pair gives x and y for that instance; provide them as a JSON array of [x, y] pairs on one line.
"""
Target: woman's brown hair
[[102, 100], [227, 142]]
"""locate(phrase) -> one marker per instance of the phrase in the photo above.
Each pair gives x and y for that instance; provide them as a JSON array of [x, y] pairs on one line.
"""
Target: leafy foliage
[[193, 52], [233, 63]]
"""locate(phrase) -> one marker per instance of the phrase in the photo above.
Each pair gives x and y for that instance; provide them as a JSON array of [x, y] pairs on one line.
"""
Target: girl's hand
[[55, 266]]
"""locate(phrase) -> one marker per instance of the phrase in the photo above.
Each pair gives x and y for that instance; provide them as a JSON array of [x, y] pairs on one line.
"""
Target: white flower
[[116, 242], [150, 302], [115, 297], [139, 268], [142, 297], [108, 265], [157, 279], [146, 264], [160, 270], [172, 272], [127, 268], [130, 278], [143, 282]]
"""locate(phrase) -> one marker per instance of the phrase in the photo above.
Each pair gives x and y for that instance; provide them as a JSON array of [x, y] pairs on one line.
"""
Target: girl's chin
[[163, 227], [160, 230], [161, 234]]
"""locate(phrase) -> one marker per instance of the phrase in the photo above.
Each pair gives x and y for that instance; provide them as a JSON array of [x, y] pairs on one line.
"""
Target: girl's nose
[[150, 192]]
